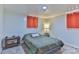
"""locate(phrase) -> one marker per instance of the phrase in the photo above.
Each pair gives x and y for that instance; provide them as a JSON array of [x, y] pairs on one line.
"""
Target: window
[[73, 20], [32, 22]]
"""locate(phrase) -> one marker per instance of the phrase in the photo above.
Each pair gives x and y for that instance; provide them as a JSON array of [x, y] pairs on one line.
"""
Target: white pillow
[[35, 35]]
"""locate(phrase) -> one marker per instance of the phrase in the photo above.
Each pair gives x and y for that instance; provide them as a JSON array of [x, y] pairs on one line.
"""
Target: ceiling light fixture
[[44, 7]]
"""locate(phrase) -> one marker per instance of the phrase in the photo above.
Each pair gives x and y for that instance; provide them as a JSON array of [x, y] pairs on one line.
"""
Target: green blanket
[[42, 43]]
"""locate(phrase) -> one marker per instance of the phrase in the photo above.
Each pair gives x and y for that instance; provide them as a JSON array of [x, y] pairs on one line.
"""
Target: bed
[[41, 44]]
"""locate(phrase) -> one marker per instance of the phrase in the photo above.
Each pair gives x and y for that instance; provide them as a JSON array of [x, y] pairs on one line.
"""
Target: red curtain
[[32, 22], [73, 20]]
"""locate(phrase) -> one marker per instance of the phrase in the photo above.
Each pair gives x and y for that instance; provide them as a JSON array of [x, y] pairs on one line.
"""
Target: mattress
[[42, 44]]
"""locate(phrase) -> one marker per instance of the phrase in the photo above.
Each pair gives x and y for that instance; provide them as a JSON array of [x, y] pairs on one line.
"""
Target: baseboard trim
[[74, 46]]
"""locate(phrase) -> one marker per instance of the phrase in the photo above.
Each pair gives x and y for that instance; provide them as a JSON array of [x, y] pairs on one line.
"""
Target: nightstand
[[46, 34]]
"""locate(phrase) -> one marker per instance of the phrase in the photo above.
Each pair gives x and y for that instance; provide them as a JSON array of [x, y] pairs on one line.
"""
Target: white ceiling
[[36, 9]]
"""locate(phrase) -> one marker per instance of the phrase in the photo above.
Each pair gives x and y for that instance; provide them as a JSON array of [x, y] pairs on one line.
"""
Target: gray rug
[[22, 49], [65, 50], [14, 50]]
